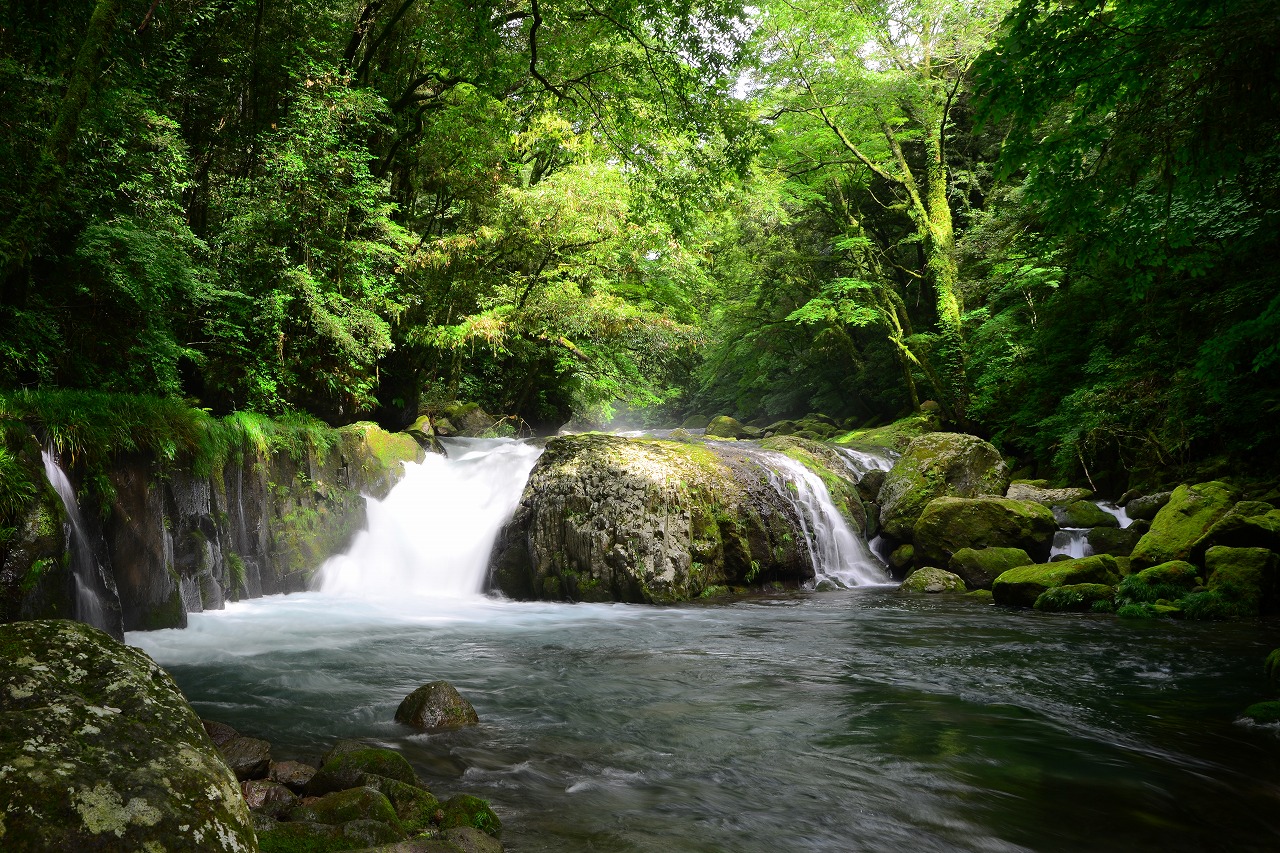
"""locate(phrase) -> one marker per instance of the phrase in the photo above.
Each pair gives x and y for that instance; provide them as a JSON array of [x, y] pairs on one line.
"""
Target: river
[[848, 720]]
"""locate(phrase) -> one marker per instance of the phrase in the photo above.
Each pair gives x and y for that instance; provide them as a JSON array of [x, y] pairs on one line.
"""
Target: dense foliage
[[1057, 220]]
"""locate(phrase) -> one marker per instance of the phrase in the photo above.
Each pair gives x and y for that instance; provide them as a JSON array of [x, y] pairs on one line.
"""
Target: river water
[[850, 720]]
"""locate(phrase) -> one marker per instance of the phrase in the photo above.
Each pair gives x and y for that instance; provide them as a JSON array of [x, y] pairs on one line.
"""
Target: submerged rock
[[605, 518], [949, 525], [940, 464], [932, 580], [1021, 587], [436, 706], [100, 751], [1188, 515]]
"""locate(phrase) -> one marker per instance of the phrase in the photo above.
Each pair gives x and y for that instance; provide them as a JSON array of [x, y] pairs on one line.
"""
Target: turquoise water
[[842, 721]]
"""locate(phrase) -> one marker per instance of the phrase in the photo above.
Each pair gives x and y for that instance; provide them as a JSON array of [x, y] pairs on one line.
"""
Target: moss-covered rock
[[695, 422], [948, 525], [1167, 581], [349, 769], [1083, 514], [1242, 582], [1249, 524], [437, 705], [1038, 491], [606, 518], [1076, 598], [100, 751], [1190, 512], [896, 435], [980, 566], [361, 803], [1115, 541], [466, 810], [1263, 713], [938, 465], [468, 839], [1146, 506], [932, 580], [1271, 666], [902, 557], [1021, 587], [723, 426]]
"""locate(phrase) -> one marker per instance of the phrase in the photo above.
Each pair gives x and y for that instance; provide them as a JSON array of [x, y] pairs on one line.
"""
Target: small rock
[[248, 757], [932, 581], [294, 775], [1147, 506], [219, 733], [266, 796], [471, 840], [342, 806], [350, 769], [466, 810], [436, 706]]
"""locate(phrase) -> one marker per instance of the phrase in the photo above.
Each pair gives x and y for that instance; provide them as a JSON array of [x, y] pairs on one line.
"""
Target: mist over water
[[849, 720]]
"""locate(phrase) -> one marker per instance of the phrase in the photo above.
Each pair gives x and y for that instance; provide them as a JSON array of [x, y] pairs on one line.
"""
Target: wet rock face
[[436, 706], [100, 751], [605, 518], [938, 464]]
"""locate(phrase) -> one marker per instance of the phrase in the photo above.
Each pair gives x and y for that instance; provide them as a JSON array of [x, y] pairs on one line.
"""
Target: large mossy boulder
[[949, 525], [606, 518], [980, 566], [933, 581], [1116, 541], [1021, 587], [352, 768], [1242, 582], [1249, 524], [1024, 490], [723, 426], [939, 464], [1167, 581], [1188, 515], [100, 751]]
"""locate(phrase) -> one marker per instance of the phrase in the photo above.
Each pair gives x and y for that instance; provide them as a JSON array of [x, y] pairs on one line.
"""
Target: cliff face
[[167, 541]]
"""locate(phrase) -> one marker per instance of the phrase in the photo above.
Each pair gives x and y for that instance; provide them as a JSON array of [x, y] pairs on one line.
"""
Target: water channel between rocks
[[836, 721]]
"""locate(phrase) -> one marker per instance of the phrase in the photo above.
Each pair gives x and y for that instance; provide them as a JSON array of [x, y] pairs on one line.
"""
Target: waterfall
[[432, 535], [862, 462], [1071, 541], [839, 554], [88, 578]]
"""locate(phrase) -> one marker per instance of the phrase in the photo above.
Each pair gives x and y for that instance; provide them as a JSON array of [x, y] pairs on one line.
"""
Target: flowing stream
[[850, 720]]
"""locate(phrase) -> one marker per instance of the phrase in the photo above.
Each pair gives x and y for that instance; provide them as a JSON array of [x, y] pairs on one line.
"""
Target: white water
[[431, 537], [862, 462], [86, 574], [839, 555], [1119, 512], [1072, 541]]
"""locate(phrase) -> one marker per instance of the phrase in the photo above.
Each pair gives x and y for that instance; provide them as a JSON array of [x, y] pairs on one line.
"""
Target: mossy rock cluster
[[363, 796], [949, 525], [1021, 587], [100, 751]]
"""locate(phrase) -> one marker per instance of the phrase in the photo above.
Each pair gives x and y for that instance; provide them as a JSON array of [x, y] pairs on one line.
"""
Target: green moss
[[1266, 713], [35, 573], [466, 810], [236, 571], [715, 591], [1074, 598], [896, 435], [1272, 668]]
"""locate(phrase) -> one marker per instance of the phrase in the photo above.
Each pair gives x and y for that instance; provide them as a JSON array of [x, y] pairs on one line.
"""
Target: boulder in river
[[949, 525], [723, 426], [99, 750], [1168, 581], [1116, 541], [1146, 506], [1083, 514], [1242, 582], [437, 705], [980, 566], [932, 580], [1248, 524], [938, 464], [1077, 598], [1188, 515], [606, 518], [1021, 587], [349, 769], [466, 810]]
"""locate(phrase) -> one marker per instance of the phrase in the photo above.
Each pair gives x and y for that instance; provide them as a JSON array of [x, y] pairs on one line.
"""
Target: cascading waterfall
[[840, 556], [86, 574], [1074, 541], [432, 535]]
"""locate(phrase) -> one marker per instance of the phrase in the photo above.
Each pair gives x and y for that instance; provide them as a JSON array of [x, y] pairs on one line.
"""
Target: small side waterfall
[[432, 535], [840, 556], [1071, 541], [89, 578]]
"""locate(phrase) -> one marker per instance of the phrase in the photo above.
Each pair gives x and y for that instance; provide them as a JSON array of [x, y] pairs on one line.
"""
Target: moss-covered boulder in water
[[1190, 512], [361, 803], [1167, 581], [100, 751], [466, 810], [1076, 598], [1146, 506], [437, 705], [980, 566], [935, 465], [348, 769], [932, 580], [723, 426], [606, 518], [1242, 582], [949, 525], [1083, 514], [1263, 713], [1021, 587]]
